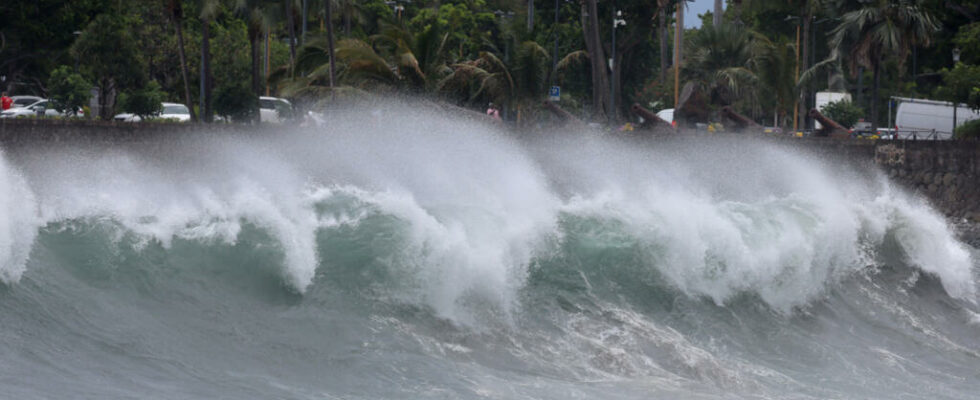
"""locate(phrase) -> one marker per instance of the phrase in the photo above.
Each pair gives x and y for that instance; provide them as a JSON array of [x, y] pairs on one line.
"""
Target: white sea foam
[[18, 222], [716, 220]]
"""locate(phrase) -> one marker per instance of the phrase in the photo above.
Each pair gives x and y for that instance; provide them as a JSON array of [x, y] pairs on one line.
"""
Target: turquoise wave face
[[425, 257]]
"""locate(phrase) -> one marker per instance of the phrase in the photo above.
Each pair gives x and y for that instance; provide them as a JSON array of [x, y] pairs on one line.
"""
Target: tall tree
[[722, 63], [107, 52], [175, 9], [291, 28], [662, 10], [716, 17], [882, 29], [256, 16], [593, 44], [209, 9]]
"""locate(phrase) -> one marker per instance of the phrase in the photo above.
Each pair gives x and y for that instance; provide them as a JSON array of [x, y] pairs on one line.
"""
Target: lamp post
[[956, 102], [77, 34], [678, 38], [617, 21]]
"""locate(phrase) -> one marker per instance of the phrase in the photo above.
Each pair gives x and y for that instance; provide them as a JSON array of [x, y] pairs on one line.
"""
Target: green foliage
[[109, 55], [144, 102], [68, 90], [962, 85], [968, 41], [843, 112], [722, 61], [468, 25], [969, 130], [236, 101]]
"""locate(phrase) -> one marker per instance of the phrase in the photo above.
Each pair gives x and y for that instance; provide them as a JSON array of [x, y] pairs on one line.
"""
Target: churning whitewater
[[401, 254]]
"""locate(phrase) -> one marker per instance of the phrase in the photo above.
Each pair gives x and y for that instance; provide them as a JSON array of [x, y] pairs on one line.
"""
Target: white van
[[274, 109], [927, 115]]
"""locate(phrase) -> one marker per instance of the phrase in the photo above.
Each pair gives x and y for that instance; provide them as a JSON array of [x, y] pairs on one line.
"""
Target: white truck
[[925, 117]]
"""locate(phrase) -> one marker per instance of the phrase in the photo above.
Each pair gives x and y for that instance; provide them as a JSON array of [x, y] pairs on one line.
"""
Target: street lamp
[[617, 21], [77, 34]]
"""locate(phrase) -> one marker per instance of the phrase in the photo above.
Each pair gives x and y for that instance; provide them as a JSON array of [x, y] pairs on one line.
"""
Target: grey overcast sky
[[694, 8]]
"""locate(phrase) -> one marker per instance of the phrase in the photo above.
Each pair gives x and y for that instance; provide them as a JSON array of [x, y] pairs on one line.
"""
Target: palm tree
[[600, 78], [880, 29], [291, 28], [716, 18], [175, 10], [777, 72], [209, 9], [722, 62], [519, 86], [662, 10], [394, 58], [257, 17]]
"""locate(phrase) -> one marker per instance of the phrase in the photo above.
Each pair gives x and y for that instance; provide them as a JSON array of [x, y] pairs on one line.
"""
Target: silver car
[[40, 108]]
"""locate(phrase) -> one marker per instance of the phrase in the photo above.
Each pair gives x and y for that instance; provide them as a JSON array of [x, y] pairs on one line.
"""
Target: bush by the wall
[[237, 102], [145, 102], [969, 130], [844, 112], [69, 91]]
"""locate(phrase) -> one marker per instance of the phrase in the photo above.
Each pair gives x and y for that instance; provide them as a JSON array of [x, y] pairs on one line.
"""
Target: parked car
[[170, 111], [274, 109], [43, 108], [24, 101], [667, 114]]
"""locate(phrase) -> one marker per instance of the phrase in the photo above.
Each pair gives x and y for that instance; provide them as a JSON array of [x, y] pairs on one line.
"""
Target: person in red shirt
[[6, 102]]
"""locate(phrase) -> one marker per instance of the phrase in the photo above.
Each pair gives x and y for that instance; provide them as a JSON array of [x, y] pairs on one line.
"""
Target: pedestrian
[[6, 102], [493, 112]]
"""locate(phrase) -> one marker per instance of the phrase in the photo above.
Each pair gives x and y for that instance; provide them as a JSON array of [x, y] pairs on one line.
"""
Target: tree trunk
[[333, 77], [183, 60], [106, 100], [663, 45], [600, 77], [347, 17], [716, 17], [530, 15], [254, 38], [206, 84], [804, 44], [291, 27], [874, 95], [302, 36]]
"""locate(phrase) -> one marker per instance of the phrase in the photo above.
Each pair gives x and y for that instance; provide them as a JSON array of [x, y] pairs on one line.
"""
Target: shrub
[[145, 102], [236, 102], [844, 112], [69, 90], [969, 130]]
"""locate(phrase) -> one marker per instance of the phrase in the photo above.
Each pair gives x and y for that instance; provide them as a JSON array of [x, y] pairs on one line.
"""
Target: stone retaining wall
[[946, 172]]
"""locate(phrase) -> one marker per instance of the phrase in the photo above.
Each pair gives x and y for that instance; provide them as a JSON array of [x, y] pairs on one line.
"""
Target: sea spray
[[18, 222], [417, 255]]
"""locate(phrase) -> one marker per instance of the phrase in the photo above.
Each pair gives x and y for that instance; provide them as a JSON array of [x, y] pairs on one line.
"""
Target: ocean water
[[419, 256]]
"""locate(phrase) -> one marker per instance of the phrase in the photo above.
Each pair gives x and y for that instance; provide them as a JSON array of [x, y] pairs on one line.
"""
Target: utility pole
[[678, 33], [796, 78], [614, 66]]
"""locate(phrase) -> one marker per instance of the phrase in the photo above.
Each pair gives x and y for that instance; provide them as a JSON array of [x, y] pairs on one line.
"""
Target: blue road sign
[[555, 93]]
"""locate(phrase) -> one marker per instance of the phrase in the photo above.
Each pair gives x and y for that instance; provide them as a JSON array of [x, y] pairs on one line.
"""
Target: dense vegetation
[[765, 58]]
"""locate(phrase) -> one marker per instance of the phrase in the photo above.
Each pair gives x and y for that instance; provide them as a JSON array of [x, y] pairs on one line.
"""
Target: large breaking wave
[[579, 249]]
